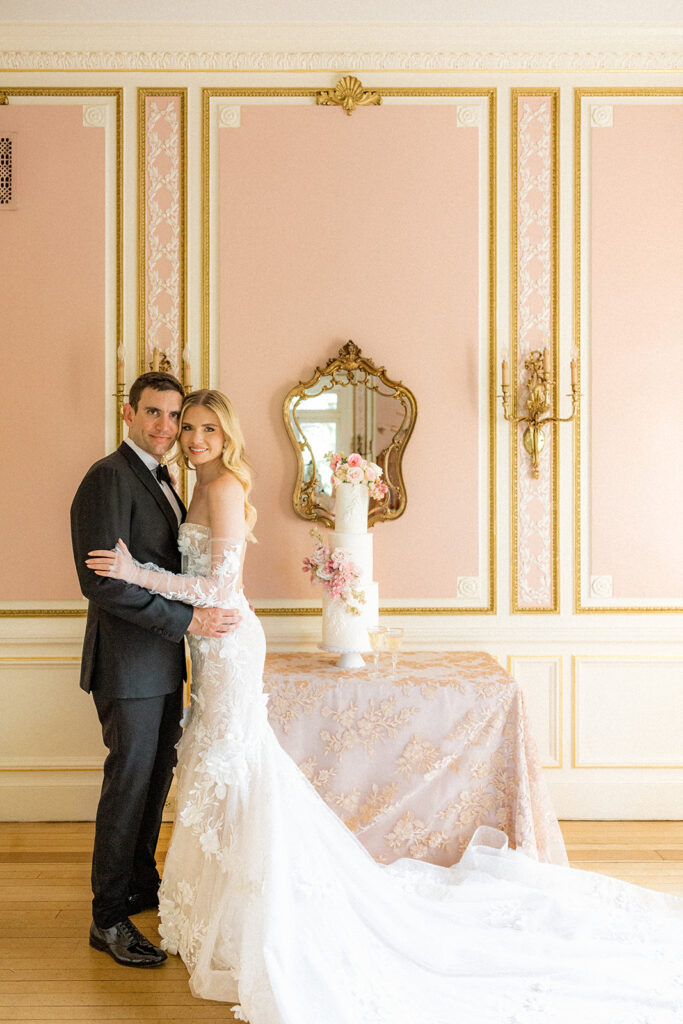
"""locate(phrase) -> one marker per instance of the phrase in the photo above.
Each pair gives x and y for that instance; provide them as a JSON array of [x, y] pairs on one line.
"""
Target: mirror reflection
[[350, 405]]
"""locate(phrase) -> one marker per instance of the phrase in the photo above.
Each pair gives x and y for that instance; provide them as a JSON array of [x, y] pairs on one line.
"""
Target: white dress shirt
[[152, 464]]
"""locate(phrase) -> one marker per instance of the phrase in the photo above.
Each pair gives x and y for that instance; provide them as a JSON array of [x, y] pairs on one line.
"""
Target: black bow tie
[[163, 475]]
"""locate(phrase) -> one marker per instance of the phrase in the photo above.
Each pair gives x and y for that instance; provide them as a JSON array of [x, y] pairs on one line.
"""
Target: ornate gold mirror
[[349, 405]]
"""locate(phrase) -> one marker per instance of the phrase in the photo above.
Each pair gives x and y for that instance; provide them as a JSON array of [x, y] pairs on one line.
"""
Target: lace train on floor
[[273, 904]]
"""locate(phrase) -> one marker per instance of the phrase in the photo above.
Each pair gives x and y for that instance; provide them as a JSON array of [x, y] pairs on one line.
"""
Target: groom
[[134, 661]]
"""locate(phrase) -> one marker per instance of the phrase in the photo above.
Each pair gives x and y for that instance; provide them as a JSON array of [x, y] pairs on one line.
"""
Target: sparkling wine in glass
[[377, 635], [394, 637]]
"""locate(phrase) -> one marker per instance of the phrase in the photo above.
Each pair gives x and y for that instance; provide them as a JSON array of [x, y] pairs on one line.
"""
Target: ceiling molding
[[668, 59]]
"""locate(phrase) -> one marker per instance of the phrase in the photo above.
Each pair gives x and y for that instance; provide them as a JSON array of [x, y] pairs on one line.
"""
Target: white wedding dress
[[273, 904]]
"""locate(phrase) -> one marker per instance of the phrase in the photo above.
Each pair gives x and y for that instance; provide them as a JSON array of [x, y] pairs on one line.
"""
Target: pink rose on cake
[[354, 469], [337, 573]]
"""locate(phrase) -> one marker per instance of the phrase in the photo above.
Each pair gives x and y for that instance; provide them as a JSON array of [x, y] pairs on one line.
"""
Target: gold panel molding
[[387, 93], [180, 94], [579, 95], [557, 723], [632, 658], [552, 95], [45, 661], [117, 95]]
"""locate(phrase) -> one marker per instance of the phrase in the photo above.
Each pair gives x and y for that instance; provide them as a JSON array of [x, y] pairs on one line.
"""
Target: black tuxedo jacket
[[133, 644]]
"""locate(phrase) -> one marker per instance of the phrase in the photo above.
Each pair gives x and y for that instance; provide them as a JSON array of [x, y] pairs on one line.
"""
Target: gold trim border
[[117, 94], [491, 94], [579, 94], [553, 94], [614, 657], [559, 661]]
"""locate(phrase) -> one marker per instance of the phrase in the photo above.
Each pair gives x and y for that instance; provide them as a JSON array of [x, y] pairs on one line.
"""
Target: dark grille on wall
[[5, 171]]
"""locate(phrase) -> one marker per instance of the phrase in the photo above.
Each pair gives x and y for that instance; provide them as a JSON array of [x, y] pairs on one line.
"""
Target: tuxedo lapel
[[146, 478], [183, 510]]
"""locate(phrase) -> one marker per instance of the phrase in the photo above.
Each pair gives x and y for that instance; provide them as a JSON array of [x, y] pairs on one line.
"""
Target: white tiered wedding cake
[[345, 630]]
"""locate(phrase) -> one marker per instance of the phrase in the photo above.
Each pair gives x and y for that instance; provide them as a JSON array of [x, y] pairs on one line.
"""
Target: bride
[[273, 904]]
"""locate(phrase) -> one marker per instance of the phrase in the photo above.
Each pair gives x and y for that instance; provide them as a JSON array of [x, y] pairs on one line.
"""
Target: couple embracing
[[268, 898], [134, 653]]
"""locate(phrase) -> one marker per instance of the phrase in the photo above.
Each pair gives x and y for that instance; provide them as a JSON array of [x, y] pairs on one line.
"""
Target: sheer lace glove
[[217, 589], [118, 564]]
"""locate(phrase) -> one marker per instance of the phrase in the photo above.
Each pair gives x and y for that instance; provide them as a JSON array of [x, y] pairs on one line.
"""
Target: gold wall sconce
[[538, 384], [160, 362]]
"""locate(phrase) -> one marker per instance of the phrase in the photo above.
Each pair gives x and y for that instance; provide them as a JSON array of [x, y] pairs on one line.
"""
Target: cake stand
[[346, 659]]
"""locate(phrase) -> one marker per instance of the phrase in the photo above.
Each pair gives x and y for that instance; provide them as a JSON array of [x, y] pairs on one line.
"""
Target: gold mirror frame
[[342, 370]]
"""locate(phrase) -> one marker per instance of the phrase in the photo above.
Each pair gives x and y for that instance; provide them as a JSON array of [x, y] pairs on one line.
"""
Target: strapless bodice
[[194, 544]]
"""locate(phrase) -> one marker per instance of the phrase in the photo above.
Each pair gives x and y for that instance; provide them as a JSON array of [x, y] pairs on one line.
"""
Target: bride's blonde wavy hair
[[233, 457]]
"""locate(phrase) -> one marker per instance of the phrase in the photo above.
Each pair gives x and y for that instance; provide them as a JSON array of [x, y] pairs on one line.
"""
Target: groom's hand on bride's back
[[214, 621]]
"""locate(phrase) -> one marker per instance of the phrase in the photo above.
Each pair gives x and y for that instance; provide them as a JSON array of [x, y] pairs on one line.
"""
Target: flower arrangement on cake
[[337, 573], [354, 469]]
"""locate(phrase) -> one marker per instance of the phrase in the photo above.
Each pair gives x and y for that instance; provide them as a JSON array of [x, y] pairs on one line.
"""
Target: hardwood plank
[[49, 973], [132, 1016], [201, 1010], [150, 981], [631, 853], [88, 968], [83, 904], [670, 854], [606, 831], [47, 857], [101, 1000]]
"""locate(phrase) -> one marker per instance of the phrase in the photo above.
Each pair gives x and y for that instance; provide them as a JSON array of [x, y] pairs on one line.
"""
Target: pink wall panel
[[362, 227], [52, 270], [636, 352], [534, 322], [163, 229]]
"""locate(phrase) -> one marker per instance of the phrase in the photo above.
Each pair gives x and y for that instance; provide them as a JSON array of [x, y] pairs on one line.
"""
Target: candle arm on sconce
[[120, 393], [539, 400], [160, 361]]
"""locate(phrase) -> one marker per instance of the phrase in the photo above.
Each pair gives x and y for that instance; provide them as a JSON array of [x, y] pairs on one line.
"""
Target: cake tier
[[344, 631], [351, 508], [359, 549]]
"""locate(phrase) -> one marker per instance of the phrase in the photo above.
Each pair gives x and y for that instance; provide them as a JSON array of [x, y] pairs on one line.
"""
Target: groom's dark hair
[[158, 381]]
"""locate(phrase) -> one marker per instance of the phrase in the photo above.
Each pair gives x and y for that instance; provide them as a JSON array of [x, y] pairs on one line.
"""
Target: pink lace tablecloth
[[413, 765]]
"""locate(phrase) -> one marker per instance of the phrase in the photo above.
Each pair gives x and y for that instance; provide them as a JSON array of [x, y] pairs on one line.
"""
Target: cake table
[[414, 764]]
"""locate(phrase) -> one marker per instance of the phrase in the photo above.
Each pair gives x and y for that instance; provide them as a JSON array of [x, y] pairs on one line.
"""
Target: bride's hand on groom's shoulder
[[118, 563]]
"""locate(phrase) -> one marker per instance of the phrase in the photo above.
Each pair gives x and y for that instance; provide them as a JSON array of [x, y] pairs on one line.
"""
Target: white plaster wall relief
[[619, 719], [468, 116], [602, 115], [541, 680], [534, 330], [162, 227], [469, 587], [94, 115], [457, 59], [601, 586], [229, 115]]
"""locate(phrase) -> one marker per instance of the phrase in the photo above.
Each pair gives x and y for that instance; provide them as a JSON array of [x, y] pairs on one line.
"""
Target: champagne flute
[[377, 635], [394, 636]]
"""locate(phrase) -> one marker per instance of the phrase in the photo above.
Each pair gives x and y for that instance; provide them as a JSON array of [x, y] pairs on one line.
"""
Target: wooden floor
[[49, 973]]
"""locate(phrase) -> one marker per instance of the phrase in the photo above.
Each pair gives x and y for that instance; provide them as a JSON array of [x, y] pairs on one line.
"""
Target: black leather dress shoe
[[126, 945], [140, 901]]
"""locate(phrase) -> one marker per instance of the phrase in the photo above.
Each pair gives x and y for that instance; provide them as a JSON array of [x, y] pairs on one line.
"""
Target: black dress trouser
[[141, 734]]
